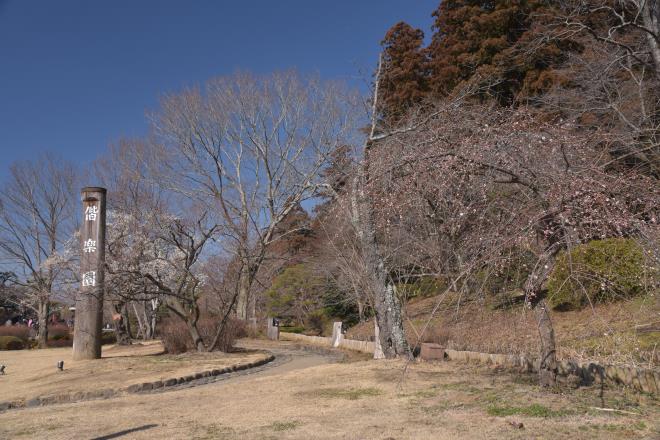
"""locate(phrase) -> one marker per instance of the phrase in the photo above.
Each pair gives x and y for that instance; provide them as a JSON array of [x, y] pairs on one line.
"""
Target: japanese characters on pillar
[[91, 257], [89, 304]]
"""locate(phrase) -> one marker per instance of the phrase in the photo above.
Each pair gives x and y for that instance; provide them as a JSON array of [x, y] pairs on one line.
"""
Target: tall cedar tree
[[471, 42], [403, 79], [491, 44]]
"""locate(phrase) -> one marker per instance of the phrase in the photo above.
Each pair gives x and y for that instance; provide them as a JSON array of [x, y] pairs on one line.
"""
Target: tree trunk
[[125, 316], [378, 347], [390, 323], [548, 359], [360, 307], [243, 293], [154, 317], [42, 316], [534, 293], [194, 334], [221, 327], [651, 19], [252, 313], [386, 303], [141, 330], [120, 322], [148, 328], [190, 318]]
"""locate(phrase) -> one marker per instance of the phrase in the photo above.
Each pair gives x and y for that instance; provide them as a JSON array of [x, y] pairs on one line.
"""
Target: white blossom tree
[[480, 180]]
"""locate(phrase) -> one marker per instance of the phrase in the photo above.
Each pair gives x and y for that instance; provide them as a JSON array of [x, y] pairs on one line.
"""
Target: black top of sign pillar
[[93, 189]]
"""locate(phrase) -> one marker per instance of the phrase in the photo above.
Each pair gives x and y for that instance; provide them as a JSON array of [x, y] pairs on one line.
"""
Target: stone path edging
[[132, 389]]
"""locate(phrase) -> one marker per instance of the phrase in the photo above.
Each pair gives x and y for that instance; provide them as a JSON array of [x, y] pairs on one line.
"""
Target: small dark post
[[89, 304]]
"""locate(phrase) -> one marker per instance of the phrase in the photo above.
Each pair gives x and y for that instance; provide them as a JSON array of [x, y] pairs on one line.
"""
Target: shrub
[[59, 332], [598, 271], [335, 305], [61, 342], [19, 331], [234, 329], [176, 337], [11, 343]]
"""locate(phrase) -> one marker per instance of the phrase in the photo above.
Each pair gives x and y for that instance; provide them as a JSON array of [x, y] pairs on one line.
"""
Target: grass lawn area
[[34, 373], [353, 400]]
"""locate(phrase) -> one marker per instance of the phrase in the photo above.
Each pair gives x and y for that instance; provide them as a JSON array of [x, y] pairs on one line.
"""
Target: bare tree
[[36, 219], [341, 258], [613, 81], [631, 25], [251, 148]]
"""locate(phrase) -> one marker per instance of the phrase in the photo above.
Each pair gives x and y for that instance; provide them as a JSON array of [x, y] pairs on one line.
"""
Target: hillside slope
[[623, 332]]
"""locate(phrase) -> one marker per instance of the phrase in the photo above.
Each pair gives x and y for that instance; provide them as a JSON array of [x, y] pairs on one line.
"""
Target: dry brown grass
[[358, 400], [606, 333], [33, 373]]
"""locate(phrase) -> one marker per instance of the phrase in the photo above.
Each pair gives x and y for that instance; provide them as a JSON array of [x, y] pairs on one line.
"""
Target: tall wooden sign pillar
[[89, 304]]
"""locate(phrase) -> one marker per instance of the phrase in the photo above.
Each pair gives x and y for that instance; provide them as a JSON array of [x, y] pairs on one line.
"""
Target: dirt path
[[288, 357]]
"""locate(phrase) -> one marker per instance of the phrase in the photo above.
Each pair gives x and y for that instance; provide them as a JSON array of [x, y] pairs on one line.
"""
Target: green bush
[[598, 271], [11, 343]]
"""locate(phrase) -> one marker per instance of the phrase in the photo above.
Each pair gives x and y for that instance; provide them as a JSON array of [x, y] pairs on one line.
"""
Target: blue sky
[[77, 75]]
